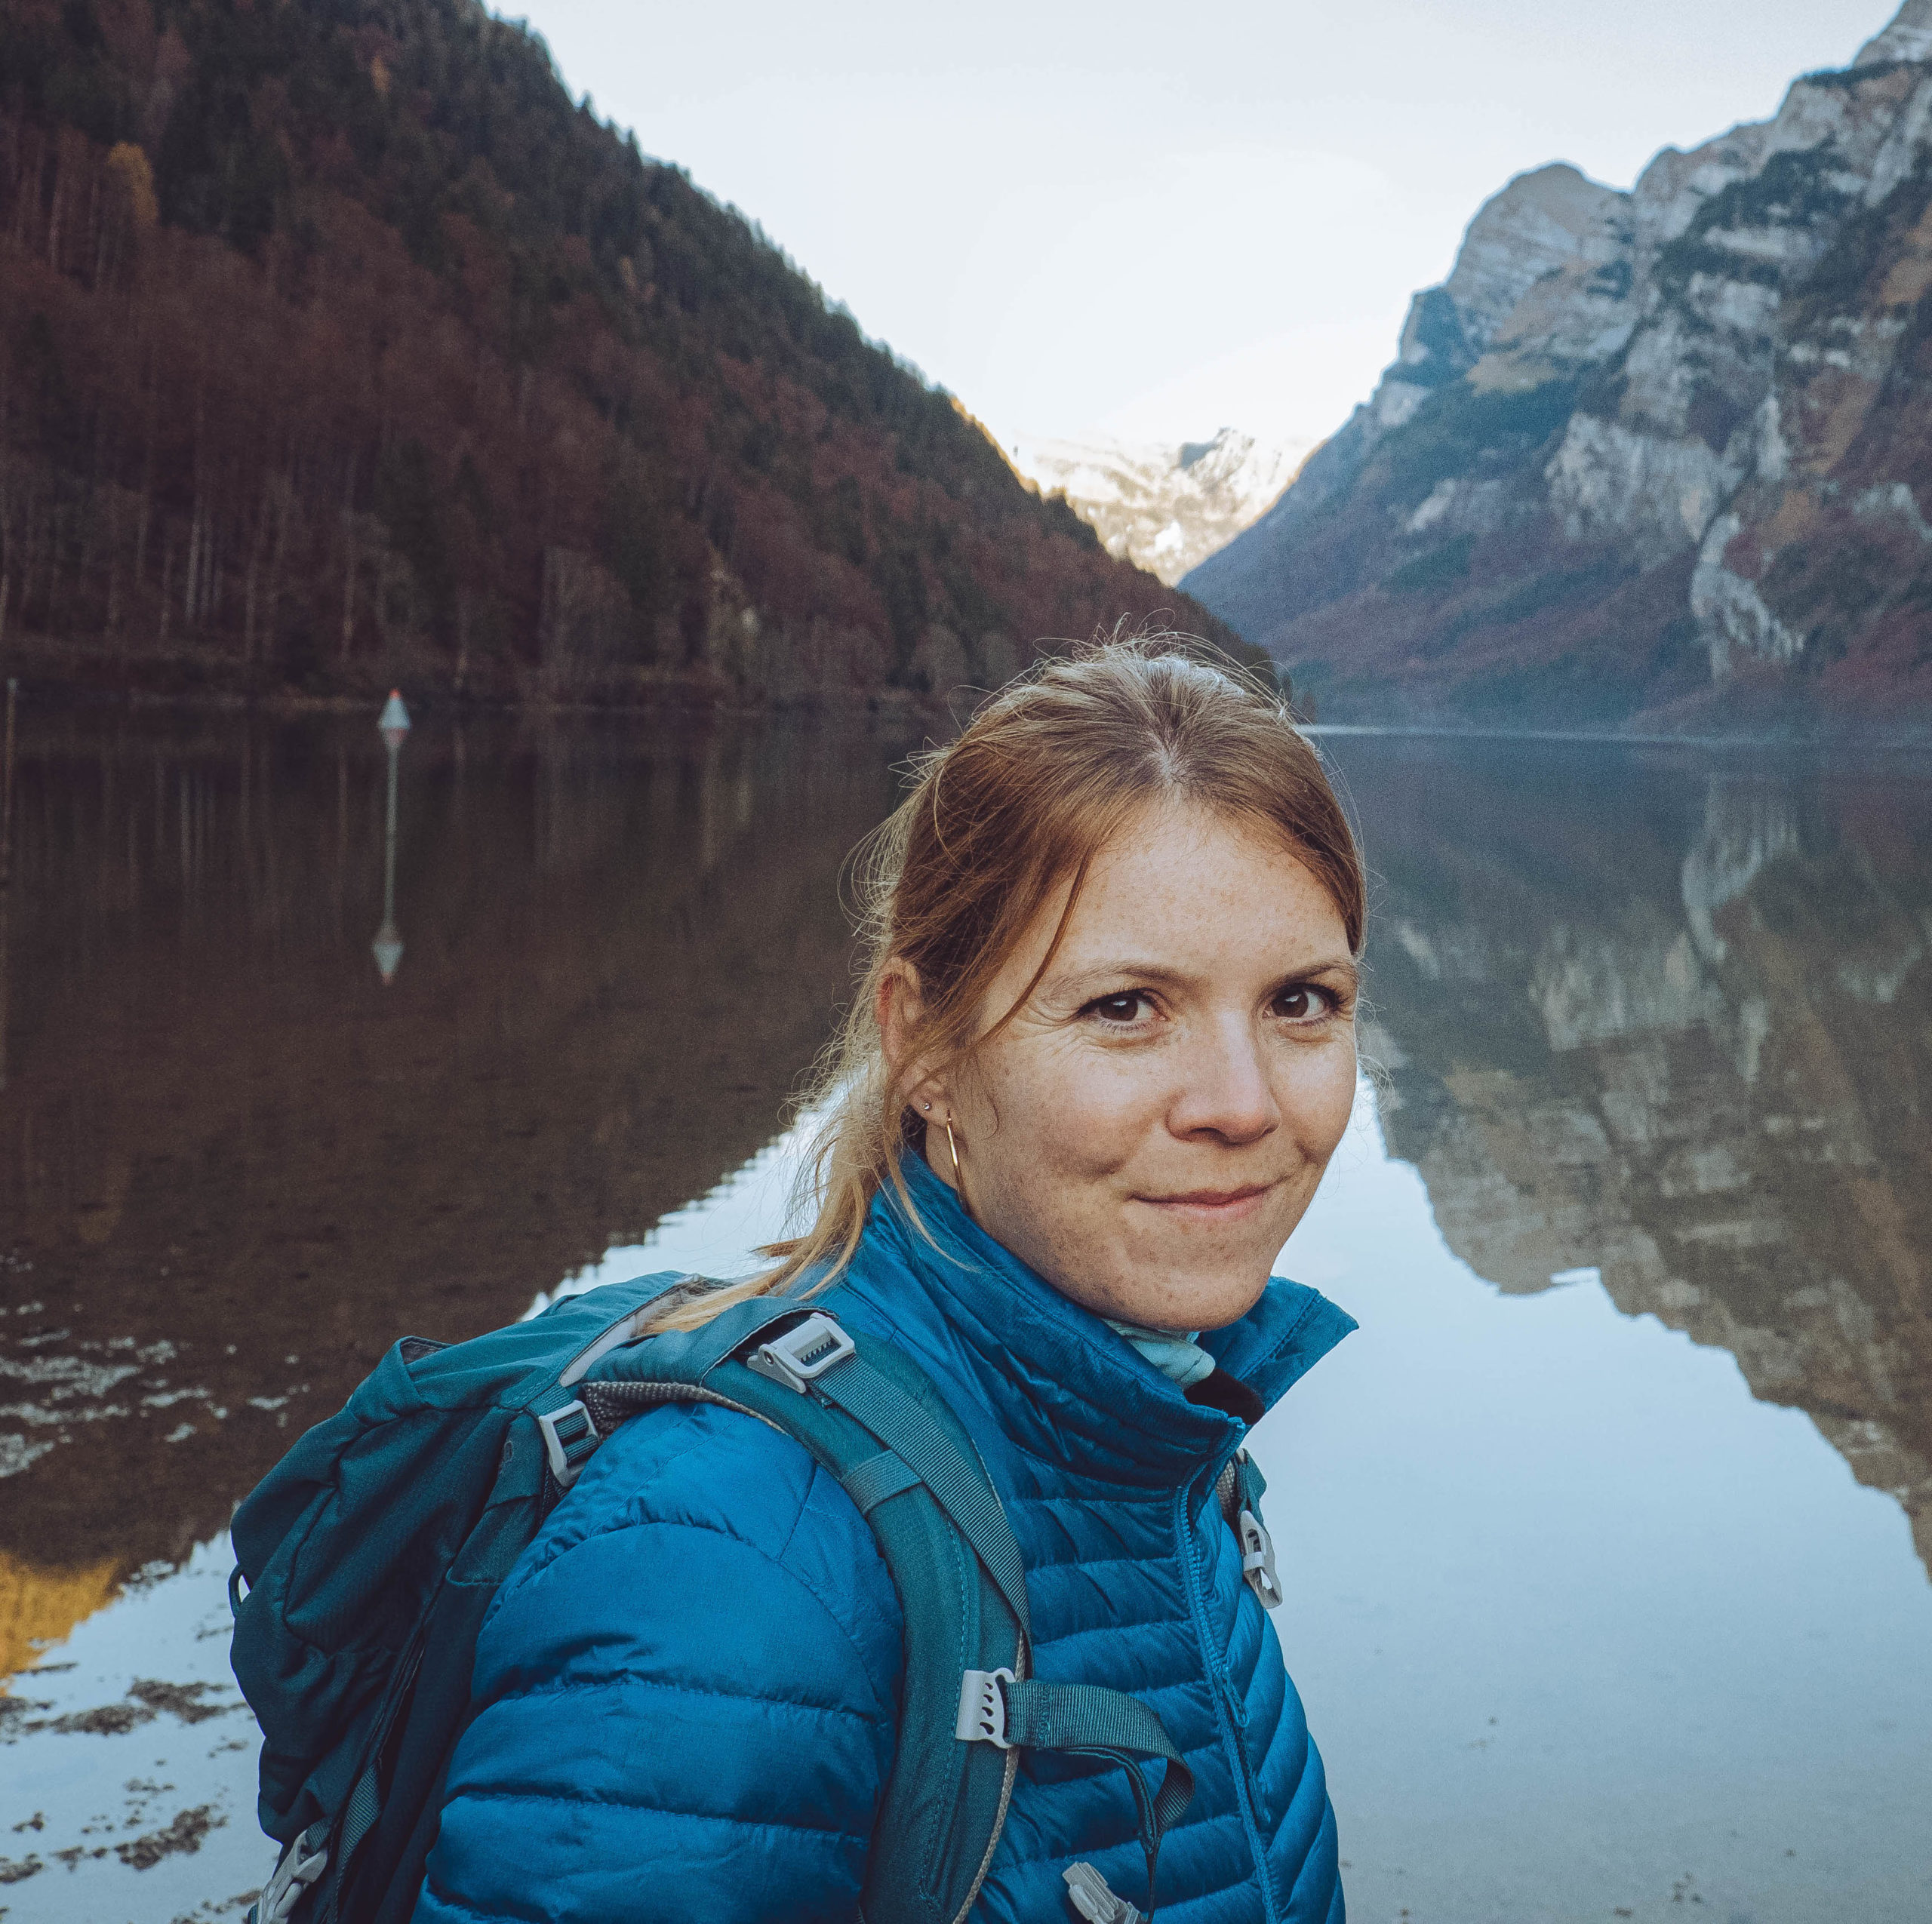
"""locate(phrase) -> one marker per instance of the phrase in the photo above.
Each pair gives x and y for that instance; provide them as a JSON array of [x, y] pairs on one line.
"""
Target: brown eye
[[1123, 1009], [1303, 1003]]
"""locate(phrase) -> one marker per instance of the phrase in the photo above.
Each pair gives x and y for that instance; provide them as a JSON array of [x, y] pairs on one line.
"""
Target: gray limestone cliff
[[1652, 457]]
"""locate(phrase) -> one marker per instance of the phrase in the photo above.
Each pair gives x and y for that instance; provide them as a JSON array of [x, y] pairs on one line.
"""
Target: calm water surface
[[1606, 1539]]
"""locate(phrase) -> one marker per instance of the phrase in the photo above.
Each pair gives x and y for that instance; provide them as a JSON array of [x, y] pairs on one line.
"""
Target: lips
[[1212, 1205]]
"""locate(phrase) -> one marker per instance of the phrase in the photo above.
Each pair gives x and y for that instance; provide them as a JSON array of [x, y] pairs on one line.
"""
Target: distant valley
[[1658, 459]]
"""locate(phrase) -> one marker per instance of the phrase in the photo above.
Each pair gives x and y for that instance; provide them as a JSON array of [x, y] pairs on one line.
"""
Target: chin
[[1190, 1300]]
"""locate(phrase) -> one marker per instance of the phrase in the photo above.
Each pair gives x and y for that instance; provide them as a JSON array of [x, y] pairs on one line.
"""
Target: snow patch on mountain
[[1165, 507]]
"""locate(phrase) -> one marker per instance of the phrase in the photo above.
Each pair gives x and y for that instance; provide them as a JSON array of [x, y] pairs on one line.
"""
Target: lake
[[1605, 1540]]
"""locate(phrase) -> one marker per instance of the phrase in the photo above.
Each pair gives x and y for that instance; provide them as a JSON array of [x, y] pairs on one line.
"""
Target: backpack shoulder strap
[[874, 1421]]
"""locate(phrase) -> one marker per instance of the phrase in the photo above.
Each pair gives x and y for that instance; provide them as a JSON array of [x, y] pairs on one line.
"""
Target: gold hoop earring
[[955, 1147]]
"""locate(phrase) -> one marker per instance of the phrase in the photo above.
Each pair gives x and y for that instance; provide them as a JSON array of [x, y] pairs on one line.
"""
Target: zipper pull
[[1237, 1705]]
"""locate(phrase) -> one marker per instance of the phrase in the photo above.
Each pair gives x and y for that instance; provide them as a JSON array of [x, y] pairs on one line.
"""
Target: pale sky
[[1156, 221]]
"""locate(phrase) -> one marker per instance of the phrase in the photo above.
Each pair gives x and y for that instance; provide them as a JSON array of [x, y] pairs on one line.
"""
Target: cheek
[[1065, 1110], [1321, 1097]]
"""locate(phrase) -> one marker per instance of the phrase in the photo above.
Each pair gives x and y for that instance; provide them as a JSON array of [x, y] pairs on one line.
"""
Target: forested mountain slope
[[1659, 459], [338, 346]]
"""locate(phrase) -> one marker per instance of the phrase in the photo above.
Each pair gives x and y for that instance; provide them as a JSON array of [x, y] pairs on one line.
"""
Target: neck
[[1174, 1353]]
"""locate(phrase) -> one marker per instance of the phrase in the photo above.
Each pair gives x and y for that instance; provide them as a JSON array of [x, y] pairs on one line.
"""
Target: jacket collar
[[1058, 1382]]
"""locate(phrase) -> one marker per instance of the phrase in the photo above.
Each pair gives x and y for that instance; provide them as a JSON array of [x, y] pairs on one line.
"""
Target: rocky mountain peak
[[1549, 221], [1640, 450], [1908, 38], [1542, 276]]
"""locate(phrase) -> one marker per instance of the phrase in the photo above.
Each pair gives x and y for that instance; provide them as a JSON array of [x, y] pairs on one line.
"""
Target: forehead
[[1182, 877]]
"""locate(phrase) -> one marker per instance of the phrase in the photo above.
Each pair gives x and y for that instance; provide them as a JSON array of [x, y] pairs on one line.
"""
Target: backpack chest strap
[[1083, 1719]]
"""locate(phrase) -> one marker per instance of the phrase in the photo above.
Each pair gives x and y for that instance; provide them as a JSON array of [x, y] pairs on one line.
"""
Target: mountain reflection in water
[[1673, 1023]]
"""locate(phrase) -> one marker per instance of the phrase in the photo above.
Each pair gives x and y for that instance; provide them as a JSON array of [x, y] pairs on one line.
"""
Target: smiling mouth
[[1212, 1205]]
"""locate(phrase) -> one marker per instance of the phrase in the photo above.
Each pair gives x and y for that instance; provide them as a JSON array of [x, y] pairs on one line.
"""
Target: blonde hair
[[1047, 771]]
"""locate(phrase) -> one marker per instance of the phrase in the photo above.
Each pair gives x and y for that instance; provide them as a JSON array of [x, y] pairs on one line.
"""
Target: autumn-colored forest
[[338, 347]]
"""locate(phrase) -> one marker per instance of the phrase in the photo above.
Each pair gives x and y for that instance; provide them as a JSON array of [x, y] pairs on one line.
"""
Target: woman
[[1103, 1052]]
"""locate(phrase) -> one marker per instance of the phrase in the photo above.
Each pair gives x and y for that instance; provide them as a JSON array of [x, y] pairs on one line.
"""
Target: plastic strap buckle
[[298, 1867], [1088, 1893], [1257, 1558], [806, 1350], [569, 1438], [982, 1708]]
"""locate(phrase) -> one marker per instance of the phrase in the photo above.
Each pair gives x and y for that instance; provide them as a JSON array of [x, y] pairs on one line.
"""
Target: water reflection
[[6, 741], [1653, 1024], [387, 947], [234, 1165], [1638, 1014], [1673, 1023]]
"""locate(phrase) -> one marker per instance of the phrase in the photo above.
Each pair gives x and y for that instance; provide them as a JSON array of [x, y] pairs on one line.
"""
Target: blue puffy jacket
[[686, 1689]]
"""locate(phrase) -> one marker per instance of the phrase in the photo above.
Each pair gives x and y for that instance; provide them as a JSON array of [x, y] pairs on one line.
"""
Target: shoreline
[[1917, 742], [704, 692]]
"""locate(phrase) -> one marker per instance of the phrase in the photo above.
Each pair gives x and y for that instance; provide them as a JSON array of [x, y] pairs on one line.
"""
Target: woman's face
[[1147, 1130]]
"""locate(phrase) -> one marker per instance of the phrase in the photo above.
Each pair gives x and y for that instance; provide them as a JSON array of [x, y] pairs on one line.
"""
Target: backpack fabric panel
[[685, 1695], [371, 1551]]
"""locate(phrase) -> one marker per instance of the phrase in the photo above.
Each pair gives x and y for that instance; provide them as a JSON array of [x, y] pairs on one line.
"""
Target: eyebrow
[[1159, 976]]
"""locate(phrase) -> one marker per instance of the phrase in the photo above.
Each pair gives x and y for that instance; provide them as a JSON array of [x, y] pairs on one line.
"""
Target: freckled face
[[1148, 1129]]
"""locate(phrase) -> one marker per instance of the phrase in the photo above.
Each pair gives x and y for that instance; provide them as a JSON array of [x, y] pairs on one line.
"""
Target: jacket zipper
[[1233, 1721]]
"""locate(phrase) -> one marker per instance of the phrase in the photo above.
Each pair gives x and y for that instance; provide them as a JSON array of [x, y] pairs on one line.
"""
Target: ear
[[899, 1010]]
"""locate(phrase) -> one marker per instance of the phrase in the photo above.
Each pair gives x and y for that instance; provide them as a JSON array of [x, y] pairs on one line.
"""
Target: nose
[[1224, 1090]]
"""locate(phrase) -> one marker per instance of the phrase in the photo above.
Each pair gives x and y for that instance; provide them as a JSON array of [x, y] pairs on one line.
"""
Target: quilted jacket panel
[[686, 1687]]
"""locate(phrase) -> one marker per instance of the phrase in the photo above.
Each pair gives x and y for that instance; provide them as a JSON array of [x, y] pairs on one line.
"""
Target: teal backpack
[[370, 1554]]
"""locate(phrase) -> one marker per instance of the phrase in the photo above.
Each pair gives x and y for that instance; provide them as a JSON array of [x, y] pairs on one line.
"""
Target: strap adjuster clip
[[557, 1448], [982, 1708], [1257, 1559], [1089, 1894], [806, 1350], [298, 1867]]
